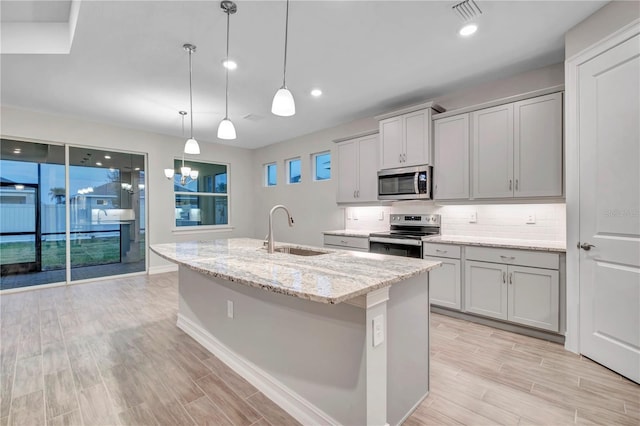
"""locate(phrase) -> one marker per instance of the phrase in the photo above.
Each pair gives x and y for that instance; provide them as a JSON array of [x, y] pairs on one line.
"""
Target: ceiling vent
[[467, 10]]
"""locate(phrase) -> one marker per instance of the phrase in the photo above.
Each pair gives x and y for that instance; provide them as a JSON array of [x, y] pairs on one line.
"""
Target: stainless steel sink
[[299, 251]]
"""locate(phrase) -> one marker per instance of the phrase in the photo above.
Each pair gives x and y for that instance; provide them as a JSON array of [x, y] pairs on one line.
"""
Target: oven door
[[396, 247]]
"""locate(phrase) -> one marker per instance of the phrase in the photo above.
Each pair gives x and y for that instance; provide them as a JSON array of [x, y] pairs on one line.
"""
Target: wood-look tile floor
[[109, 353]]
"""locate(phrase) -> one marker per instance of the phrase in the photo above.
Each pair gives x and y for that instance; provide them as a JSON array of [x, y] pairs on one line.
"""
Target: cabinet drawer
[[347, 242], [514, 257], [441, 250]]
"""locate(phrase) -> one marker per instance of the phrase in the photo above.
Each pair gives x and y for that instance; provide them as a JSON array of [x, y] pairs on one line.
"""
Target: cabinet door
[[534, 297], [486, 289], [391, 146], [444, 283], [451, 160], [538, 146], [493, 152], [368, 169], [417, 146], [347, 172]]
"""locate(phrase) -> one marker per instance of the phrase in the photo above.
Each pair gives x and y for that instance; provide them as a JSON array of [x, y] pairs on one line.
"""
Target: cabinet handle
[[511, 278], [399, 158], [510, 184], [442, 251], [516, 184], [358, 192], [504, 277], [404, 158], [354, 193], [507, 257]]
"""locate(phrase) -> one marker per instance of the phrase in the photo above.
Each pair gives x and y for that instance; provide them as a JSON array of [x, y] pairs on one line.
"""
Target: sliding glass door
[[106, 202]]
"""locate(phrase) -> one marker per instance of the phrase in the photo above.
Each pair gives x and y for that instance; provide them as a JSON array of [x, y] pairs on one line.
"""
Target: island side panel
[[407, 346], [315, 349]]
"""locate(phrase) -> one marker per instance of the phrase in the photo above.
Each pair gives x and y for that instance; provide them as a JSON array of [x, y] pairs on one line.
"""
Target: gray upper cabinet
[[538, 146], [517, 149], [405, 137], [357, 170], [451, 158]]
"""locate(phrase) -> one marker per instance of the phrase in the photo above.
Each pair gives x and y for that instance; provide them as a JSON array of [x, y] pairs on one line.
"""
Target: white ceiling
[[127, 66]]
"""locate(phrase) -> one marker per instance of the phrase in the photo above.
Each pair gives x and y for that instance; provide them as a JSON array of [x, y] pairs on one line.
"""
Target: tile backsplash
[[491, 220]]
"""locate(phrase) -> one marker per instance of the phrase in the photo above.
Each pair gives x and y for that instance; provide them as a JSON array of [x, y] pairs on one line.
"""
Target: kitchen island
[[333, 337]]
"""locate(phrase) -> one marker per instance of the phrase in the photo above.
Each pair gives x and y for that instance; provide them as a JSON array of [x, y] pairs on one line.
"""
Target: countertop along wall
[[313, 204], [161, 149]]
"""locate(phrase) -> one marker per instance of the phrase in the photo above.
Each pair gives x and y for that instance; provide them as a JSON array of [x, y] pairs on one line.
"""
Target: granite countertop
[[333, 277], [550, 246], [349, 232]]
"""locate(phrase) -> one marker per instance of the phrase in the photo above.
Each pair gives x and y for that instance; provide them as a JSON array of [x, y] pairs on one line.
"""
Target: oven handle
[[399, 241], [415, 183]]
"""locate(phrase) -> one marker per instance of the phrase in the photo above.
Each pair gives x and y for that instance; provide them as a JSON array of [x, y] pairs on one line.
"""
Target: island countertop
[[332, 277]]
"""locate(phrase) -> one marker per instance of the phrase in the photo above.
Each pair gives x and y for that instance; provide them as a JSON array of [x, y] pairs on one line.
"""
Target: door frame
[[572, 167]]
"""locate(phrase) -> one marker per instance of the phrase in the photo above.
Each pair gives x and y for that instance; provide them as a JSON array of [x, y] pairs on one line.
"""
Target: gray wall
[[161, 149], [602, 23], [317, 199]]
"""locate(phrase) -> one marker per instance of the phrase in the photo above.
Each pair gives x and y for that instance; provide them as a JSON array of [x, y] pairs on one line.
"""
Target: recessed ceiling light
[[108, 157], [316, 92], [468, 29], [98, 163], [17, 151], [231, 65]]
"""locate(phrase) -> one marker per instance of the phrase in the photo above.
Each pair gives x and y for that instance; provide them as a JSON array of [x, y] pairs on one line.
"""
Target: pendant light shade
[[168, 173], [226, 130], [283, 103], [191, 146]]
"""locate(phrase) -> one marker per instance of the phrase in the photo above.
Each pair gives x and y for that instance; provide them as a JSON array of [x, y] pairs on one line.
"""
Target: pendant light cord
[[226, 92], [286, 37], [190, 94]]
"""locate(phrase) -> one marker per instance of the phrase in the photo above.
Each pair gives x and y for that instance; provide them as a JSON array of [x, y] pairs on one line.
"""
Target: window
[[271, 174], [321, 166], [202, 198], [293, 170]]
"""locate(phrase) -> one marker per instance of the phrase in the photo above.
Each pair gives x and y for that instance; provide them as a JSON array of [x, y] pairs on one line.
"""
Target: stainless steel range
[[406, 234]]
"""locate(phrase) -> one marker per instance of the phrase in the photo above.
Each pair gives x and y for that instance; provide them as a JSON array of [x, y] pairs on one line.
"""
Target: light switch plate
[[531, 218], [473, 217], [381, 216], [229, 309], [378, 330]]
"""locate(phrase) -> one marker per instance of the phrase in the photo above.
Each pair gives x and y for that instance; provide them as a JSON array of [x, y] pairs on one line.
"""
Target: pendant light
[[283, 103], [225, 128], [191, 146]]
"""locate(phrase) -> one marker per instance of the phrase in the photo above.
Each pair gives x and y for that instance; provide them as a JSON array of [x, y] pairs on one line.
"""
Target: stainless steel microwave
[[408, 183]]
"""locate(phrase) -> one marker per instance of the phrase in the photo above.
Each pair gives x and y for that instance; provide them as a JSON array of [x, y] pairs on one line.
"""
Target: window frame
[[314, 165], [266, 174], [195, 228], [288, 167]]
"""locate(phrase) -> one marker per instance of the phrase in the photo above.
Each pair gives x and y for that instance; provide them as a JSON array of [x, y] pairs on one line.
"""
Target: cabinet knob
[[510, 184], [516, 184]]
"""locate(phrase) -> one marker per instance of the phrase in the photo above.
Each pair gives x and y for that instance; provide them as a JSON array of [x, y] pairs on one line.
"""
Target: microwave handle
[[415, 182]]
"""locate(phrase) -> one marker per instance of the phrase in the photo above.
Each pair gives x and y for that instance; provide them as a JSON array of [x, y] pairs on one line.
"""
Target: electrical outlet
[[473, 217], [378, 330], [531, 218], [229, 309], [349, 215], [381, 216], [354, 214]]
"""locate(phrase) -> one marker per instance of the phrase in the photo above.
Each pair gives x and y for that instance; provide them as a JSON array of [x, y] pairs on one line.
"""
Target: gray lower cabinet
[[346, 243], [519, 294], [445, 283]]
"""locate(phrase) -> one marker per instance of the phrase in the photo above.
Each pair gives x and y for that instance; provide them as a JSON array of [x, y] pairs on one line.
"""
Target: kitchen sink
[[299, 251]]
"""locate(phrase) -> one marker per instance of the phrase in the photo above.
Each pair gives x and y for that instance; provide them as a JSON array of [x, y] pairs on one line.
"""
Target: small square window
[[271, 174], [293, 170], [321, 166]]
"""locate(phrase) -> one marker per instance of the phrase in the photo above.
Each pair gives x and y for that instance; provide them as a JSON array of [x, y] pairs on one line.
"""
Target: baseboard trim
[[298, 407], [416, 405], [514, 328], [153, 270]]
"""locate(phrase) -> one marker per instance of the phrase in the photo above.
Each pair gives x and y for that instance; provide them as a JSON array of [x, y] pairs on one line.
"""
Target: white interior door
[[609, 141]]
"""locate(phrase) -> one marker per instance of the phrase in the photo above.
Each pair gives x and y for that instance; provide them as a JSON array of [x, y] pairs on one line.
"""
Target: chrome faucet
[[270, 243], [105, 214]]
